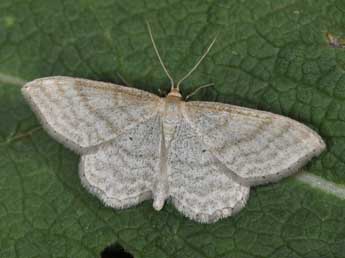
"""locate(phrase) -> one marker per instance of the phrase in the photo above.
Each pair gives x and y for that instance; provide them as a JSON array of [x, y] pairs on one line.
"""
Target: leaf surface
[[270, 55]]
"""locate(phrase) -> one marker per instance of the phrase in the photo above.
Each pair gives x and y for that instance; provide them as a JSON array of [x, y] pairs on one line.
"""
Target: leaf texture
[[270, 55]]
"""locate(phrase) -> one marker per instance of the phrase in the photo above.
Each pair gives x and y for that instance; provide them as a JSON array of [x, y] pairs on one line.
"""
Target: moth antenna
[[197, 63], [159, 57]]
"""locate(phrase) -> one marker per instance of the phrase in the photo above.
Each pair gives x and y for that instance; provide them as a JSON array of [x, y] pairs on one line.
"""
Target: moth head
[[174, 94]]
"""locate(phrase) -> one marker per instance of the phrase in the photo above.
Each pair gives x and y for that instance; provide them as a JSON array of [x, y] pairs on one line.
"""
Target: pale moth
[[134, 145]]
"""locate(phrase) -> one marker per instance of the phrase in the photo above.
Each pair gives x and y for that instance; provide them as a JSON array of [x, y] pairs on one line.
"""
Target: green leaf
[[270, 55]]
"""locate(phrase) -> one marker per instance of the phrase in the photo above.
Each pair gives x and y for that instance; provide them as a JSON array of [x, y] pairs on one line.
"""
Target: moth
[[134, 145]]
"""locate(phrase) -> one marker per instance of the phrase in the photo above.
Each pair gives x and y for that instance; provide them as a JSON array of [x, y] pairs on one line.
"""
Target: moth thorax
[[174, 94], [171, 119]]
